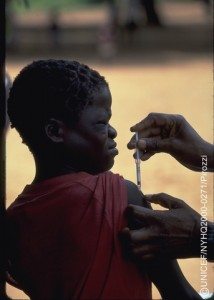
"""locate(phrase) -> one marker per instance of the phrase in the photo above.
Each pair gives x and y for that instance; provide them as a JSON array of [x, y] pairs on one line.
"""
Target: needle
[[137, 161]]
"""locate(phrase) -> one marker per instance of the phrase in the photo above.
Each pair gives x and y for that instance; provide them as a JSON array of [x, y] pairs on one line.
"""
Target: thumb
[[165, 200], [140, 213]]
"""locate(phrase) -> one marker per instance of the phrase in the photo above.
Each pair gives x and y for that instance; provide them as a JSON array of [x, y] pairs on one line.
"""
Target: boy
[[63, 229]]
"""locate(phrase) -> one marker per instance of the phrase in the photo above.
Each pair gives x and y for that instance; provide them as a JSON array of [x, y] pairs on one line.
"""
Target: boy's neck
[[47, 168], [41, 177]]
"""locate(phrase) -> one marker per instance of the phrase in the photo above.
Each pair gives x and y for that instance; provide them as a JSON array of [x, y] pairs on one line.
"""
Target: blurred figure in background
[[125, 16], [152, 15], [54, 28], [8, 84]]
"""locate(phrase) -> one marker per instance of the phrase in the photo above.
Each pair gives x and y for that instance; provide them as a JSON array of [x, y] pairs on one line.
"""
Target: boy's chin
[[105, 168], [110, 165]]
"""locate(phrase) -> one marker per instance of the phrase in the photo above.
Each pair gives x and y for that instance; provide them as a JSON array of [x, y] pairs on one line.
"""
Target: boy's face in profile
[[91, 140]]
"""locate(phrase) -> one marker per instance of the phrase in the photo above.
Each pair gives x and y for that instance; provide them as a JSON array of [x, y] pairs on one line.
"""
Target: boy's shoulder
[[134, 195]]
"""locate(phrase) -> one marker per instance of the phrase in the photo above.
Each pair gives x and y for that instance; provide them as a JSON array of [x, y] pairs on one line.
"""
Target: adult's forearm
[[210, 157], [170, 281], [210, 242]]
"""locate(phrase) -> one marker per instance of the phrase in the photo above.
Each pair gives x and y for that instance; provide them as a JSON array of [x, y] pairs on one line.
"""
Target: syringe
[[137, 161]]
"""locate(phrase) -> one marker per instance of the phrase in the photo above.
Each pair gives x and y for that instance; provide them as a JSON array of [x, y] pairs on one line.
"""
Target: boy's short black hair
[[50, 89]]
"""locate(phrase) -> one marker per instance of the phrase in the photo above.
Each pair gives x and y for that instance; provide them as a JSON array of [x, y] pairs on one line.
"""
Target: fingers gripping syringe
[[137, 161]]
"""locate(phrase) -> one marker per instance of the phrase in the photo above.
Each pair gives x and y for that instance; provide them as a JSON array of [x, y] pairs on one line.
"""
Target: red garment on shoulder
[[64, 241]]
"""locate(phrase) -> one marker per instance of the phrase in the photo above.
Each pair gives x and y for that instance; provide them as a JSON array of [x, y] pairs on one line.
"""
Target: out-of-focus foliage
[[20, 5]]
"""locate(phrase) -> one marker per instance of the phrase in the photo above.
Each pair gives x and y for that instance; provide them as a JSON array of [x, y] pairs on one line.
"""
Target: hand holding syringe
[[137, 161]]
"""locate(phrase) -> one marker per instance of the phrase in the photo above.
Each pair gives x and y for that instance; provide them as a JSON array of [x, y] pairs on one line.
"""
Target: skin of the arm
[[165, 274]]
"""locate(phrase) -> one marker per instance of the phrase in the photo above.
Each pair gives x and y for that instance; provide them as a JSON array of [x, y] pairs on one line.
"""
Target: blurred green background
[[19, 5]]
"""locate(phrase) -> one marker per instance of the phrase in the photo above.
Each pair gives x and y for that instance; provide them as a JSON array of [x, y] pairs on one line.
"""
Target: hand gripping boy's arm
[[165, 274]]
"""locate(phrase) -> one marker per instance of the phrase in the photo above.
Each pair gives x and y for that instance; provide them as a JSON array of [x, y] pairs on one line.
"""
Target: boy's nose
[[112, 132]]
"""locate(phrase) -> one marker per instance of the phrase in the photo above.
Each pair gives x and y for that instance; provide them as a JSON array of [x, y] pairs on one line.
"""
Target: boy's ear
[[54, 130]]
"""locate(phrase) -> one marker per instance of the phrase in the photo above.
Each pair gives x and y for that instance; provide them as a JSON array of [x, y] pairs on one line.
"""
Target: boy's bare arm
[[165, 274]]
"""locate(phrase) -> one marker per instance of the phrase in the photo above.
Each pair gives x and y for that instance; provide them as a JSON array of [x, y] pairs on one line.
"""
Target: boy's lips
[[113, 150]]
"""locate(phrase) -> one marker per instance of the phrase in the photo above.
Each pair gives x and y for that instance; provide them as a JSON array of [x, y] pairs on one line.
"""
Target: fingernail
[[132, 144], [142, 144]]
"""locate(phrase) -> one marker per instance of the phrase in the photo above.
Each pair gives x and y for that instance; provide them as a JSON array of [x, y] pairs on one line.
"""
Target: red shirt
[[63, 240]]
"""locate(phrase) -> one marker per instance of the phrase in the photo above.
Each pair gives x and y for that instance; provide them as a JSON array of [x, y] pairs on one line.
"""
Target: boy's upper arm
[[135, 196]]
